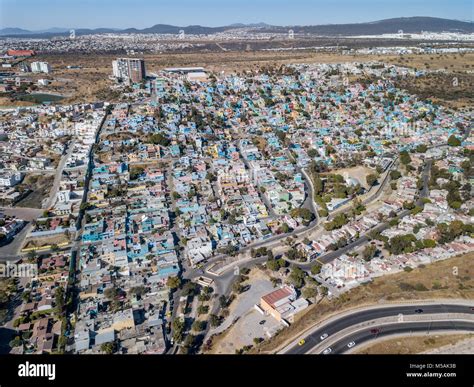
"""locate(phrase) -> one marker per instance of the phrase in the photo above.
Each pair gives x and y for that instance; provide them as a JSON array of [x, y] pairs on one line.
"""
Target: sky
[[43, 14]]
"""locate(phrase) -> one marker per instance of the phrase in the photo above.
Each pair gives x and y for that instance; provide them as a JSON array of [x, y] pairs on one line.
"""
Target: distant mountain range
[[406, 24]]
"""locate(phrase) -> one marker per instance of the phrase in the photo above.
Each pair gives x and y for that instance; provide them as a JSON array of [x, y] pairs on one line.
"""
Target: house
[[280, 303], [198, 249], [10, 179]]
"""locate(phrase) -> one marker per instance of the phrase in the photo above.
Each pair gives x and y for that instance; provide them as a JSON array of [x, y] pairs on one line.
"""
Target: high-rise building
[[131, 70], [40, 67]]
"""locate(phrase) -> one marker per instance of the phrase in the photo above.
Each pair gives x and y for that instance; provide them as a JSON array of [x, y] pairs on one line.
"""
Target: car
[[418, 310], [351, 344], [327, 351], [262, 322], [375, 331], [301, 342], [324, 336]]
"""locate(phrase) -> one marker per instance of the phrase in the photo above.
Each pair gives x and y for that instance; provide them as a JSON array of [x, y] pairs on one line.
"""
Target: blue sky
[[39, 14]]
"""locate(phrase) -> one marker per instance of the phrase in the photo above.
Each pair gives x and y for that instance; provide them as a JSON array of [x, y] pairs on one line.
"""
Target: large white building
[[40, 67], [131, 70]]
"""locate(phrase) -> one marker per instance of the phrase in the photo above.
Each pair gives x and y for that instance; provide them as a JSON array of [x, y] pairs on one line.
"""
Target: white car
[[324, 336], [351, 344], [327, 351]]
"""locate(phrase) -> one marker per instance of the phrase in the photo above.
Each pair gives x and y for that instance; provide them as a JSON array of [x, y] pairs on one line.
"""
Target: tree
[[178, 329], [173, 282], [371, 179], [318, 185], [303, 213], [108, 348], [315, 269], [395, 175], [59, 300], [111, 293], [429, 243], [237, 287], [422, 148], [449, 232], [401, 244], [190, 289], [369, 252], [202, 309], [158, 138], [272, 264], [138, 291], [338, 221], [189, 343], [214, 320], [16, 342], [405, 157], [257, 340], [309, 292], [454, 141], [199, 325], [312, 153], [223, 301], [296, 277]]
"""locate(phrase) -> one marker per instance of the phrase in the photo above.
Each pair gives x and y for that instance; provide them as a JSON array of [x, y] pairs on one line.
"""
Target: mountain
[[251, 25], [53, 30], [13, 31], [388, 26]]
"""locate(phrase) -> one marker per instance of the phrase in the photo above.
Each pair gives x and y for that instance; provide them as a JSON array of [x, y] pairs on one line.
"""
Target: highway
[[314, 338], [401, 328]]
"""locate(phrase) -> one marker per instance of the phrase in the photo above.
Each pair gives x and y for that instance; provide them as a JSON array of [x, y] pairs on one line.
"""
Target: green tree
[[395, 175], [405, 157], [214, 320], [202, 309], [173, 282], [454, 141], [199, 325], [108, 348], [178, 329], [309, 292], [315, 269], [369, 252], [371, 179], [296, 277]]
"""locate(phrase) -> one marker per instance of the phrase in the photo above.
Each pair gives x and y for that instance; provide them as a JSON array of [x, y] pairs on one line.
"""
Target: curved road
[[313, 339], [398, 328]]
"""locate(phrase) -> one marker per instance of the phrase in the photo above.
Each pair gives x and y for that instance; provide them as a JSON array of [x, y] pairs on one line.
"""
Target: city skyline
[[89, 14]]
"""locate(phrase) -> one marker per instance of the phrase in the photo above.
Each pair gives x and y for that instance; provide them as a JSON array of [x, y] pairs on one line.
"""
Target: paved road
[[25, 213], [347, 321], [399, 328], [57, 177]]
